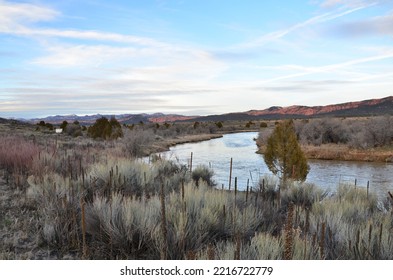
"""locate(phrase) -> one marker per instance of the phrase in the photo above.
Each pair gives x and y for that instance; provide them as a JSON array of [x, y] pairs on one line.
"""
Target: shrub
[[203, 173], [263, 125], [136, 141], [105, 129], [196, 125], [73, 130]]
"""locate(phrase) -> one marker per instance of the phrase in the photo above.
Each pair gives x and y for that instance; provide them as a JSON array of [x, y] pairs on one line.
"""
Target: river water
[[249, 167]]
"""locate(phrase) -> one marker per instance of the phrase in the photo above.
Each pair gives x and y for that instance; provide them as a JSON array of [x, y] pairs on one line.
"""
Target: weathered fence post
[[368, 186], [230, 174], [235, 187], [191, 163]]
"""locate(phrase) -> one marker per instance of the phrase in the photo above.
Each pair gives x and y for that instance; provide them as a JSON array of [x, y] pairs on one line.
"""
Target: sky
[[190, 57]]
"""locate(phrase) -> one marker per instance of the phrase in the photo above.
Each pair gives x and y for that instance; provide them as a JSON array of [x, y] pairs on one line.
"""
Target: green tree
[[105, 129], [219, 124], [196, 125], [263, 125], [116, 130], [64, 125], [283, 155]]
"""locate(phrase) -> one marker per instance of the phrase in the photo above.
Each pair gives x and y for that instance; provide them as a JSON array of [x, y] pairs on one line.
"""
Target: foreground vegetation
[[79, 198]]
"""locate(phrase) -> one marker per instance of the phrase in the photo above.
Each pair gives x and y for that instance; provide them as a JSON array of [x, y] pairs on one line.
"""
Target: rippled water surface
[[248, 166]]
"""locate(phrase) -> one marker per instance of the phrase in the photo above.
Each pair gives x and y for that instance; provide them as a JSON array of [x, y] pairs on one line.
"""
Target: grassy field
[[76, 198]]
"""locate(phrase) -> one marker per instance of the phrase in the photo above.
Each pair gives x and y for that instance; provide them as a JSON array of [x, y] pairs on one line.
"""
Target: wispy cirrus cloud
[[325, 17], [376, 26], [351, 3], [307, 70]]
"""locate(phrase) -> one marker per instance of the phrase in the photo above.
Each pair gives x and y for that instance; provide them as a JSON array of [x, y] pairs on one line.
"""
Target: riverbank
[[321, 152], [343, 152], [163, 145]]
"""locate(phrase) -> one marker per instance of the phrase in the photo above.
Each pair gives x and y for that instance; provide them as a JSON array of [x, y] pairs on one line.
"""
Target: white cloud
[[86, 55], [16, 18], [14, 14]]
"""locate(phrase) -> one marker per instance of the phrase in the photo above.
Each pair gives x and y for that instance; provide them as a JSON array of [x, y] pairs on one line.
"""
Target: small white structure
[[59, 130]]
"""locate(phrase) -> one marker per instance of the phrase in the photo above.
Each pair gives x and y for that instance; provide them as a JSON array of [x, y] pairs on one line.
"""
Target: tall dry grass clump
[[16, 156]]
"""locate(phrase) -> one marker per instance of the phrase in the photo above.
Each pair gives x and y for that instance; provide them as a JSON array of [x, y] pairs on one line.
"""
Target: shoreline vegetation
[[339, 152], [342, 152], [348, 139], [69, 196]]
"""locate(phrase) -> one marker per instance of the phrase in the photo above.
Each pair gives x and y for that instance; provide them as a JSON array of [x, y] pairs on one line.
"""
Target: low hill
[[369, 107], [359, 108]]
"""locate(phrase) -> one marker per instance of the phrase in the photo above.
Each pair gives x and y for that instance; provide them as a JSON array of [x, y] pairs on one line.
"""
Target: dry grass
[[343, 152]]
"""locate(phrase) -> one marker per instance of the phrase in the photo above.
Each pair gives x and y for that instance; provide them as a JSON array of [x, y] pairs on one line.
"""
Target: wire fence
[[251, 177]]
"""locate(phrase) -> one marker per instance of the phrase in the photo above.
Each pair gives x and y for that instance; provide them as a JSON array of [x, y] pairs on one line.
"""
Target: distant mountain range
[[370, 107], [122, 118]]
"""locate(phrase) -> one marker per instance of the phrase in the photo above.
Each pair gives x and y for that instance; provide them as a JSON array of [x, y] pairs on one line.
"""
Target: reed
[[83, 225], [322, 240], [289, 235], [164, 230], [211, 252], [238, 247]]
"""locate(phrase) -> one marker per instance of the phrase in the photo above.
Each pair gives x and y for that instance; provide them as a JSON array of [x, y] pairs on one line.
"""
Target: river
[[249, 167]]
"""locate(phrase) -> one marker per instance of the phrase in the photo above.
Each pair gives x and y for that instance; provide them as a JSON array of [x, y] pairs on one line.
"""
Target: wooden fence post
[[230, 174]]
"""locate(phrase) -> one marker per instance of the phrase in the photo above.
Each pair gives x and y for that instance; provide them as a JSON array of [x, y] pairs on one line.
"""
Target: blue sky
[[191, 57]]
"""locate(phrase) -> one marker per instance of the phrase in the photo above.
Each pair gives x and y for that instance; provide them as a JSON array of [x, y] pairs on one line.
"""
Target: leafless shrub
[[263, 135], [136, 141], [323, 131], [17, 153], [360, 133]]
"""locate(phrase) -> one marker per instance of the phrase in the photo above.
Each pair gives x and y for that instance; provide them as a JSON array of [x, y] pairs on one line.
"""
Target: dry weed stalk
[[211, 252], [164, 230], [84, 245], [322, 240], [380, 238], [238, 247], [191, 255], [289, 235], [306, 229]]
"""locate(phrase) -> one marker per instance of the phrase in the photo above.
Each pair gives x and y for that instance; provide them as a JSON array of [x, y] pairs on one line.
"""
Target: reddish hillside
[[318, 110]]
